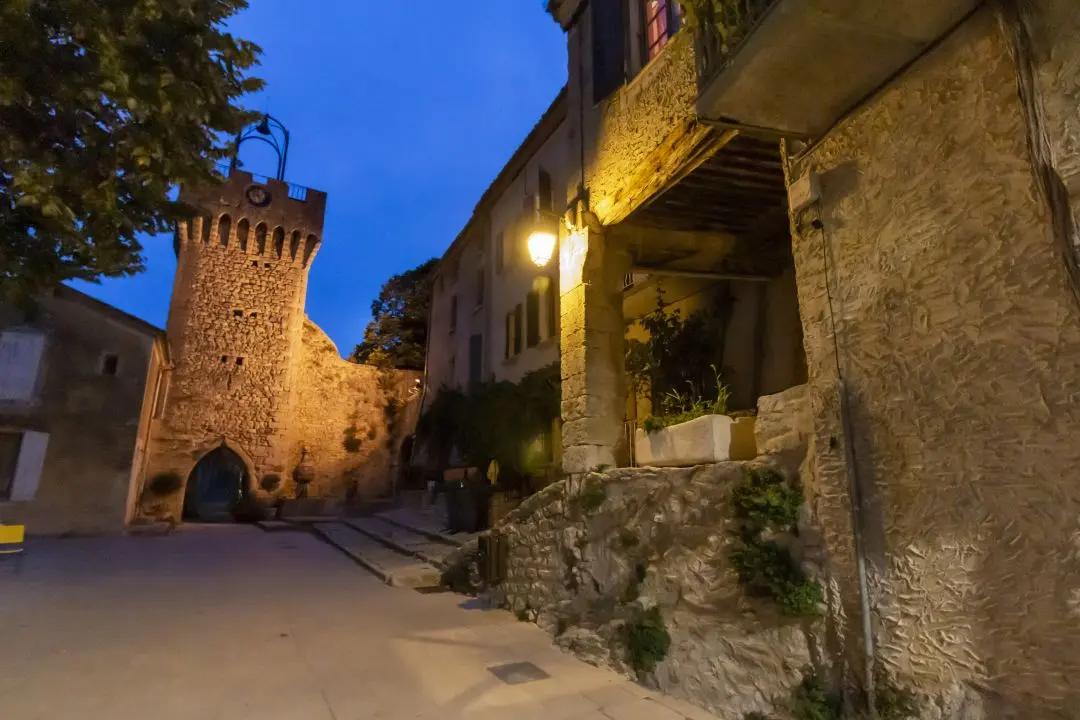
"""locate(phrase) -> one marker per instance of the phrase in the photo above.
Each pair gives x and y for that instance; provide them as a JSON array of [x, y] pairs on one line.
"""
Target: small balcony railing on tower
[[720, 27], [296, 192]]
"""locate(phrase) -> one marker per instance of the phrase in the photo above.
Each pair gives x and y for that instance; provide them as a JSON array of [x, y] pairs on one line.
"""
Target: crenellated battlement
[[293, 245]]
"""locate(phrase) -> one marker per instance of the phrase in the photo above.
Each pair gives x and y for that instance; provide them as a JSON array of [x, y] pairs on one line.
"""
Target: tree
[[104, 108], [396, 337]]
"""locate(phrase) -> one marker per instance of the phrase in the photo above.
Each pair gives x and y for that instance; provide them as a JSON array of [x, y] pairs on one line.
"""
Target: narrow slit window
[[110, 364]]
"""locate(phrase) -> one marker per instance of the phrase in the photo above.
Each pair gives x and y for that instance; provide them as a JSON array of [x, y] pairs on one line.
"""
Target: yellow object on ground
[[11, 539]]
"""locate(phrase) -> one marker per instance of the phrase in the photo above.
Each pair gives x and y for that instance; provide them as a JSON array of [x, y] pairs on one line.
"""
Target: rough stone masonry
[[250, 372]]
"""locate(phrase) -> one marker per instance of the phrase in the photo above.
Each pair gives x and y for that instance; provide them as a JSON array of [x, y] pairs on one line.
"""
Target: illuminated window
[[661, 22]]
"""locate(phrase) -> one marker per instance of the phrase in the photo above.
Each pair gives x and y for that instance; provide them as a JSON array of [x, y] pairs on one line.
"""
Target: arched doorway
[[216, 483]]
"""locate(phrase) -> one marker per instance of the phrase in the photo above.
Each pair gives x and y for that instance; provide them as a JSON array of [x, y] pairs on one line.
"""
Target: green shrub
[[592, 496], [351, 442], [764, 499], [813, 701], [165, 484], [767, 570], [894, 703], [270, 482], [647, 640], [764, 502]]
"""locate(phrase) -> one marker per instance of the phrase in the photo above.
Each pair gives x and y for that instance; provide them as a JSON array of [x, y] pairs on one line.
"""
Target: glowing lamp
[[543, 237], [542, 246]]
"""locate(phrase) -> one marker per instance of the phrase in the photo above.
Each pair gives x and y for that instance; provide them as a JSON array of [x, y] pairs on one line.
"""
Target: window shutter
[[20, 363], [608, 44], [509, 334], [517, 329], [476, 358], [552, 309], [532, 319], [28, 468]]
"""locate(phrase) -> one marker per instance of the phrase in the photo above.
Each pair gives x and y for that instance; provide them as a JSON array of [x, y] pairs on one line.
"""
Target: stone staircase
[[404, 547]]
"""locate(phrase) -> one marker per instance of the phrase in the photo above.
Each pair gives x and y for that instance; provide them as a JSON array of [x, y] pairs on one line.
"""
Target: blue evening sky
[[403, 112]]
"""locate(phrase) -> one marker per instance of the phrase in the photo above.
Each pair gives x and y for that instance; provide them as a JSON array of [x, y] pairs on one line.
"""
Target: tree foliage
[[104, 108], [396, 337], [495, 421]]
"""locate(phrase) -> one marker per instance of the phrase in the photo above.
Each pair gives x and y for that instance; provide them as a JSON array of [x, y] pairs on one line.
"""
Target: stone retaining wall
[[588, 553]]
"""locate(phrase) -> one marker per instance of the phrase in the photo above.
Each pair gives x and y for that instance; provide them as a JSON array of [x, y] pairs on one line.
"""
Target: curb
[[387, 542], [360, 560]]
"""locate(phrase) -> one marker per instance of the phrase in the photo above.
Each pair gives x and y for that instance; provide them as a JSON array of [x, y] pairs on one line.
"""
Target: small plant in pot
[[677, 408]]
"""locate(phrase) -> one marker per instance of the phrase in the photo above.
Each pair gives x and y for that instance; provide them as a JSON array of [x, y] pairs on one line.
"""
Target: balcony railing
[[296, 192], [720, 26]]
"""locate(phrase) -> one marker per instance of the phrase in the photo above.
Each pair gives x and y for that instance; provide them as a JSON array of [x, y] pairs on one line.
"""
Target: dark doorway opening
[[216, 484]]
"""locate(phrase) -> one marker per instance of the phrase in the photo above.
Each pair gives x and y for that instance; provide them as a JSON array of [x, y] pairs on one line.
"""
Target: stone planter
[[707, 439]]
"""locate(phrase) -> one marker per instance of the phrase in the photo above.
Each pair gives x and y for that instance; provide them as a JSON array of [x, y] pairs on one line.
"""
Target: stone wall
[[351, 419], [92, 418], [958, 338], [581, 565]]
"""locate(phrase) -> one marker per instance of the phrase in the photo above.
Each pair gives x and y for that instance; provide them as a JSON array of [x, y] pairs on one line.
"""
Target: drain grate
[[518, 673], [432, 589]]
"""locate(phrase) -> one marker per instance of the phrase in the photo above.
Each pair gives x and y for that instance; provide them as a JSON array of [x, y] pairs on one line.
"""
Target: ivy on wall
[[495, 420]]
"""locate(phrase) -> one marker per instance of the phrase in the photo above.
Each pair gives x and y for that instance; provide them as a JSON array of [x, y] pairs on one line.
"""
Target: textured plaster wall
[[622, 130], [337, 400], [92, 419], [573, 572], [1056, 29], [958, 339]]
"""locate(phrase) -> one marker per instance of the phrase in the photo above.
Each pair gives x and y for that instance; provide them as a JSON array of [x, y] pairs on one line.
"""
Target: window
[[20, 364], [545, 199], [661, 22], [9, 457], [608, 47], [500, 250], [239, 361], [517, 329], [513, 333], [238, 313], [476, 359], [532, 319], [480, 288], [110, 364], [22, 455], [551, 307], [453, 313]]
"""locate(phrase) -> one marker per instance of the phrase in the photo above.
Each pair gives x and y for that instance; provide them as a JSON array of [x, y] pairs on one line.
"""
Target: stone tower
[[235, 328]]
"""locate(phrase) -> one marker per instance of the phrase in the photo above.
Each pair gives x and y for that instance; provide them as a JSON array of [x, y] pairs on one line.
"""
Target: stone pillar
[[591, 268]]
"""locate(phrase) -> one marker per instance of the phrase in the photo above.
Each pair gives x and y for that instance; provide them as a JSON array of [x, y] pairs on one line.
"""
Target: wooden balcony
[[794, 67]]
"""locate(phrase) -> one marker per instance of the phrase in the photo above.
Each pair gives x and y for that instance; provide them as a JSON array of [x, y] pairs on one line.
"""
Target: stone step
[[391, 566], [310, 508], [429, 524], [404, 540]]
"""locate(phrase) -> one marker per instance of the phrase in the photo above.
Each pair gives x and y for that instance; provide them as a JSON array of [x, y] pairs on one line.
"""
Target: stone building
[[74, 409], [494, 313], [256, 400], [928, 154]]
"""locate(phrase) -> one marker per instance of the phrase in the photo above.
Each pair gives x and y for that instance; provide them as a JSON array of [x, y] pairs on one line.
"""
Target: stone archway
[[215, 485]]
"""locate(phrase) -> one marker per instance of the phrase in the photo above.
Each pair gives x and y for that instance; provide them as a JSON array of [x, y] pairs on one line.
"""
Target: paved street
[[236, 623]]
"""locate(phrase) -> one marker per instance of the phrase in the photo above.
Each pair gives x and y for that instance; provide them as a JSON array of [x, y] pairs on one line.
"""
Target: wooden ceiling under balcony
[[739, 189]]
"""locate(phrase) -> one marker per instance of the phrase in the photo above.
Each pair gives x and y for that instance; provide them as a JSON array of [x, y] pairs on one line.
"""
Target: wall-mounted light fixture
[[543, 237]]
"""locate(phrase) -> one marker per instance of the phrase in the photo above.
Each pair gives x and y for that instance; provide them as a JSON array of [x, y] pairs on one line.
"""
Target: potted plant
[[693, 430], [688, 422]]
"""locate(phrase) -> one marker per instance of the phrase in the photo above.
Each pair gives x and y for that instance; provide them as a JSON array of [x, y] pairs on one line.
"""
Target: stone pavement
[[233, 623]]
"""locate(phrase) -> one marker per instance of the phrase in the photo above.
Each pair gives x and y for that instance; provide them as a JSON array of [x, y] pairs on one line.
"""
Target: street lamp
[[543, 237]]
